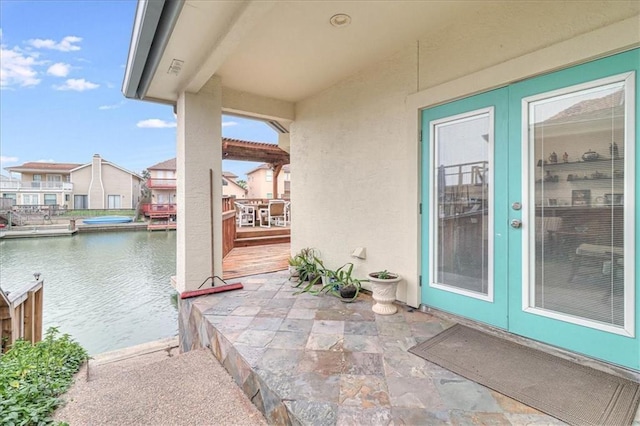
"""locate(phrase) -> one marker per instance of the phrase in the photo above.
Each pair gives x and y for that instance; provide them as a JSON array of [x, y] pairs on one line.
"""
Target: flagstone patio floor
[[305, 359]]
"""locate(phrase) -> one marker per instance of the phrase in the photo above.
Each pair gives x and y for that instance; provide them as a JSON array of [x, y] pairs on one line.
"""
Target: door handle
[[516, 223]]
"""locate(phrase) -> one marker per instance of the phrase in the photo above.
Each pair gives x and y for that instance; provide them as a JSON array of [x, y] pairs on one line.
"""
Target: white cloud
[[114, 106], [59, 69], [155, 123], [4, 160], [67, 44], [229, 123], [77, 84], [17, 68]]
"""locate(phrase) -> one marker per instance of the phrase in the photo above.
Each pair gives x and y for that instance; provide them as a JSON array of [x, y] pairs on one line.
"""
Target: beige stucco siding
[[81, 179], [118, 182], [233, 190], [360, 171], [259, 187], [505, 30], [359, 138], [113, 181]]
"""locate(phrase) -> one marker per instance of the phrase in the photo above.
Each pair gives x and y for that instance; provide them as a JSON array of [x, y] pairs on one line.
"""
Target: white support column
[[199, 149]]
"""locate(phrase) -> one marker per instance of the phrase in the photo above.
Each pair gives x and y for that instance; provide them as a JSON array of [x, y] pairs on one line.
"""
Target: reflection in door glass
[[461, 181], [578, 188]]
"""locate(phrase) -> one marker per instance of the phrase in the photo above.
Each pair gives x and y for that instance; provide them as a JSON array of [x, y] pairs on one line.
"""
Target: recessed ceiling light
[[340, 20]]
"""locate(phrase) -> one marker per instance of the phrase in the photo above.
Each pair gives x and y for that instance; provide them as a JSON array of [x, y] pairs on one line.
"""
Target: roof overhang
[[152, 28]]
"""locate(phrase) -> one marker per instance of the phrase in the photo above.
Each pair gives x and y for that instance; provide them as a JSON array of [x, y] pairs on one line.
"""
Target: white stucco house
[[260, 182], [433, 126]]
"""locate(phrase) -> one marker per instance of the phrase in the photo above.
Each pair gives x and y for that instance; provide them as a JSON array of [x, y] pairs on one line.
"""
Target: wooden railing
[[161, 183], [21, 315], [228, 224], [149, 209]]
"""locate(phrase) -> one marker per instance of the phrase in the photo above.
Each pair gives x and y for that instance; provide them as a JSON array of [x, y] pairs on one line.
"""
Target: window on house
[[50, 199], [67, 197], [37, 179], [269, 194], [30, 199], [269, 175], [10, 196]]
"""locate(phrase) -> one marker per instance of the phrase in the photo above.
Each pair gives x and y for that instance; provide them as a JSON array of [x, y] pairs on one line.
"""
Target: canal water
[[107, 290]]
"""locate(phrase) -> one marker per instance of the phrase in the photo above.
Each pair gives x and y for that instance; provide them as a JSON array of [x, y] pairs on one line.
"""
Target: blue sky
[[62, 65]]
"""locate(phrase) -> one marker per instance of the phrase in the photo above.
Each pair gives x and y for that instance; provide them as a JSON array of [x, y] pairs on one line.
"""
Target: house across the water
[[99, 184]]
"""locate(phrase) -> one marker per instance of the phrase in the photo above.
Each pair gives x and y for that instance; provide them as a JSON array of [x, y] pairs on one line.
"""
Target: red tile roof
[[41, 166], [165, 165]]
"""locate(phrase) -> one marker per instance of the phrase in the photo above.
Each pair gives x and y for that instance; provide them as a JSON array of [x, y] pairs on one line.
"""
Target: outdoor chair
[[287, 213], [245, 215], [273, 214]]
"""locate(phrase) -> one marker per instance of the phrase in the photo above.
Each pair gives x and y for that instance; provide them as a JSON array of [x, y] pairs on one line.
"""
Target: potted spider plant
[[339, 283], [306, 266], [342, 283], [384, 285]]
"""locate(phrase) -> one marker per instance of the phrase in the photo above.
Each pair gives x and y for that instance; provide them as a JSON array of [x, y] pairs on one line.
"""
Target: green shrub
[[33, 376]]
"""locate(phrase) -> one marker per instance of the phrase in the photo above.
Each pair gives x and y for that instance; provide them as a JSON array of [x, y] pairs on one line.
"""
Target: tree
[[242, 183]]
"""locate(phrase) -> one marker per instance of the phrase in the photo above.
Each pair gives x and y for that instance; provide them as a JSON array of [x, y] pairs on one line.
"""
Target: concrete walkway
[[154, 385]]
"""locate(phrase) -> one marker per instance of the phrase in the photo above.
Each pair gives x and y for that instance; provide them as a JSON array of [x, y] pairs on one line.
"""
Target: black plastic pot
[[348, 292]]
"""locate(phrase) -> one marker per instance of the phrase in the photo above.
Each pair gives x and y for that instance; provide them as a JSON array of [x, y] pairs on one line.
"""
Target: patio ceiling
[[285, 50]]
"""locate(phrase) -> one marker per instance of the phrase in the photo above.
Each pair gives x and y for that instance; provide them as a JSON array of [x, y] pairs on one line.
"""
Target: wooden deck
[[243, 261], [258, 236]]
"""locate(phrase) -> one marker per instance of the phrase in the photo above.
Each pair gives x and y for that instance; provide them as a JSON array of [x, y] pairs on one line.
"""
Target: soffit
[[289, 50]]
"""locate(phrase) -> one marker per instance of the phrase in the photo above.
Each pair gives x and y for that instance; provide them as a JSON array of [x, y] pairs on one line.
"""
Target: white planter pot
[[384, 293]]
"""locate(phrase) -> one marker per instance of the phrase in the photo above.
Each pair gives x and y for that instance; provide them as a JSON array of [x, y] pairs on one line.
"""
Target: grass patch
[[33, 376], [94, 213]]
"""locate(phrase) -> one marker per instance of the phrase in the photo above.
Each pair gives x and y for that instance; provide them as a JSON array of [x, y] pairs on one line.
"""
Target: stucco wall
[[503, 30], [81, 179], [259, 187], [119, 182], [359, 137], [351, 152], [233, 190]]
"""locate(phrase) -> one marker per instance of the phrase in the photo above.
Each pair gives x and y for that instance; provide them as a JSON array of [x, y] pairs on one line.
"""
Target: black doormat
[[571, 392]]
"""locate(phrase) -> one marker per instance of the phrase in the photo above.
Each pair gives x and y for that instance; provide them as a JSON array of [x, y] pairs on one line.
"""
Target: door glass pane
[[80, 202], [577, 181], [113, 201], [461, 181]]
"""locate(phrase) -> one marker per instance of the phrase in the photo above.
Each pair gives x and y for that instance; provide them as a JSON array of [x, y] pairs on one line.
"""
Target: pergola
[[235, 149]]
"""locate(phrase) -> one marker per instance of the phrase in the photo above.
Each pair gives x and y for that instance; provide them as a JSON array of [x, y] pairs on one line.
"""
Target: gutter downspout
[[154, 23]]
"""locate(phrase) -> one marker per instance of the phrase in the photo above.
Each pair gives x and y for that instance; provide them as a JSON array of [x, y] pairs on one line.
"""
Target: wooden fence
[[21, 315], [228, 224]]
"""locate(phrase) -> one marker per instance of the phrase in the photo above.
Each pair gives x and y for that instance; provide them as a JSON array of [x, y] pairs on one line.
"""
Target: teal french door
[[531, 221], [465, 225]]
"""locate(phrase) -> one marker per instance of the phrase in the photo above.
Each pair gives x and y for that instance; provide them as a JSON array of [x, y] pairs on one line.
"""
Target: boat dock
[[64, 231], [36, 232]]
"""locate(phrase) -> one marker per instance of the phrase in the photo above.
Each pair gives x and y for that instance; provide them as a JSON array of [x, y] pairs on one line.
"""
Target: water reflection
[[108, 290]]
